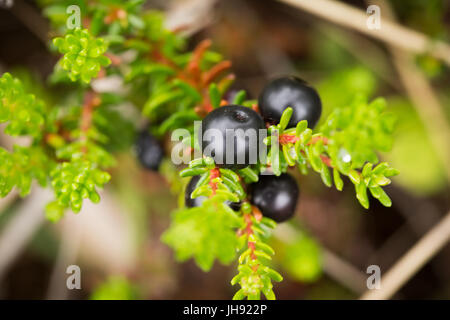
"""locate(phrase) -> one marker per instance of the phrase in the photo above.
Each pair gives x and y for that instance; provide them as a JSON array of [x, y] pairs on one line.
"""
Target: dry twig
[[407, 266], [390, 32]]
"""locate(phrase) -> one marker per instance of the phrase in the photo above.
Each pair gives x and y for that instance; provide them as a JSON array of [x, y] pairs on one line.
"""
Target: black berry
[[276, 197], [290, 92], [148, 150], [232, 123], [197, 202]]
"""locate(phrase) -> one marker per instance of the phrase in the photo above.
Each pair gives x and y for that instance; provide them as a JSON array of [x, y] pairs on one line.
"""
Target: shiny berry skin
[[197, 202], [290, 92], [240, 122], [276, 197], [148, 151]]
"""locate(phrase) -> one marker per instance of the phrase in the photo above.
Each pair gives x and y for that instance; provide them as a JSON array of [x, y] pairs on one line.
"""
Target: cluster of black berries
[[276, 197]]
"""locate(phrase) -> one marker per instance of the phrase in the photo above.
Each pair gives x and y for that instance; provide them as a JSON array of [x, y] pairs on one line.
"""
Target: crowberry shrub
[[74, 140]]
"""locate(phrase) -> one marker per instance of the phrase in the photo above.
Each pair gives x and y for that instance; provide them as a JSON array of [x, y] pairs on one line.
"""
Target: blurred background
[[325, 251]]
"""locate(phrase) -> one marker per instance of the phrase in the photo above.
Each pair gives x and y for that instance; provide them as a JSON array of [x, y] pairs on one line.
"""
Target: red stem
[[115, 60], [287, 138], [212, 73], [91, 101], [192, 73], [214, 173]]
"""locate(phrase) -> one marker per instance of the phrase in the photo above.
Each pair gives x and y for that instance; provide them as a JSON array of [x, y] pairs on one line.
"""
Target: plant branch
[[408, 265], [193, 75], [210, 75], [423, 98], [215, 173], [91, 101], [390, 32]]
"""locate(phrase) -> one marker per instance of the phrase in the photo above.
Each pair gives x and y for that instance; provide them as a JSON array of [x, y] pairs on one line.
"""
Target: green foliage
[[422, 170], [354, 135], [302, 259], [114, 138], [82, 54], [255, 276], [338, 89], [20, 167], [204, 233], [24, 113], [347, 143], [73, 140], [74, 167], [111, 17], [191, 231], [85, 150], [207, 232], [115, 288], [361, 129], [173, 79], [73, 182]]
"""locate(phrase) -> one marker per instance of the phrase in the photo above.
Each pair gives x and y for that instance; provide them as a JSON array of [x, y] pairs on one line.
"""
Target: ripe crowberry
[[292, 92], [197, 202], [276, 197], [231, 136], [148, 150]]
